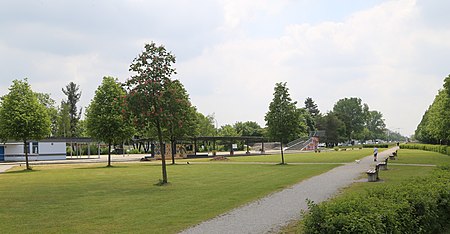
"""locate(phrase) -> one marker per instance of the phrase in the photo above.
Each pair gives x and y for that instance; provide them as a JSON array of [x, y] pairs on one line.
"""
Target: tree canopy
[[283, 118], [435, 124], [350, 112], [73, 93], [22, 116], [148, 98], [105, 117]]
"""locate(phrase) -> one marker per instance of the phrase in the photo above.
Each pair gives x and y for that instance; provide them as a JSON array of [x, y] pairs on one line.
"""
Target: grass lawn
[[409, 156], [124, 199], [392, 177], [310, 157]]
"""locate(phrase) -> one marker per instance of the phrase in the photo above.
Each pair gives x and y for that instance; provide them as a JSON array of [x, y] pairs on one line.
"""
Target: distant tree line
[[434, 128]]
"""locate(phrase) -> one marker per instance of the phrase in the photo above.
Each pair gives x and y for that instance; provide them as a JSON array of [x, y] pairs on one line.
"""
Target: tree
[[350, 112], [105, 118], [73, 96], [228, 130], [375, 124], [49, 103], [22, 116], [249, 128], [205, 125], [311, 107], [182, 119], [282, 119], [435, 124], [63, 120], [147, 98], [334, 128]]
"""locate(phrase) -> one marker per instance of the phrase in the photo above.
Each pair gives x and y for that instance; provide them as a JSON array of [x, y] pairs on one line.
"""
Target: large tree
[[22, 116], [283, 118], [182, 118], [334, 129], [49, 103], [147, 93], [435, 124], [105, 117], [350, 111], [73, 93], [312, 107], [205, 125]]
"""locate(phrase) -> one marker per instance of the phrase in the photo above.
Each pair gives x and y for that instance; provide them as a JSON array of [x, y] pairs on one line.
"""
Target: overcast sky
[[230, 54]]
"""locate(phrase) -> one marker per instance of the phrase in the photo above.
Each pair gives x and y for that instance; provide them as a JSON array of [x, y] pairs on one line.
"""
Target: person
[[375, 153]]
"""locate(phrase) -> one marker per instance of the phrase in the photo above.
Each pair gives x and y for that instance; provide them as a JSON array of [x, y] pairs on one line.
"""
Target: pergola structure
[[230, 140]]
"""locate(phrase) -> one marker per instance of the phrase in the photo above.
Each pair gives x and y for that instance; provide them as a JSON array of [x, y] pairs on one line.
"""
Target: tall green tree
[[73, 93], [350, 112], [63, 120], [105, 117], [435, 124], [282, 119], [49, 103], [311, 107], [22, 116], [206, 125], [182, 118], [375, 124], [146, 93], [334, 129]]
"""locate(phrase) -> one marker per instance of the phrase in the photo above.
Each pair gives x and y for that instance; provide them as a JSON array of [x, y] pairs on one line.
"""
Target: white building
[[47, 149]]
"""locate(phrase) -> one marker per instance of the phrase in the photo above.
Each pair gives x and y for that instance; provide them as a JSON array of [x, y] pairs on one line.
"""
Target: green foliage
[[311, 107], [205, 125], [435, 124], [334, 128], [421, 205], [105, 117], [249, 128], [350, 112], [22, 116], [149, 94], [443, 149], [73, 93], [283, 119], [377, 145]]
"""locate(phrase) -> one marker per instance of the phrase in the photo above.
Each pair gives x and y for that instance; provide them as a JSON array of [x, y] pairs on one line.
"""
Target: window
[[35, 148]]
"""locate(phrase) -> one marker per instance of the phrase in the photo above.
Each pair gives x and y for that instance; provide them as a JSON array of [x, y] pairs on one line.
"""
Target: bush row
[[377, 145], [443, 149], [421, 205]]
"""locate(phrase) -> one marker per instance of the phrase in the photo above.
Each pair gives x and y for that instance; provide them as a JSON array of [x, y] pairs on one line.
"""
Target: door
[[2, 153]]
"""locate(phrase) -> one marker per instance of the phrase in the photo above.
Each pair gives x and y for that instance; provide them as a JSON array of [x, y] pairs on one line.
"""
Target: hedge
[[443, 149], [421, 205]]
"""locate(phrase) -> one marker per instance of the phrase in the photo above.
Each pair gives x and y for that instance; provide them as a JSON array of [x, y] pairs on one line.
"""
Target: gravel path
[[6, 167], [270, 214]]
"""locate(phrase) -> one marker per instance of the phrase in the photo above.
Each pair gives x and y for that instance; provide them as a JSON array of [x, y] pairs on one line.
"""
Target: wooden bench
[[383, 165], [373, 174], [393, 156]]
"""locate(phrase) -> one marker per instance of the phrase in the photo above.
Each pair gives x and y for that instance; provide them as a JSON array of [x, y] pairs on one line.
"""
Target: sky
[[230, 54]]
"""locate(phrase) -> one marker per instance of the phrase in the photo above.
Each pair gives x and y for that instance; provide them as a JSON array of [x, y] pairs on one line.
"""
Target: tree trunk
[[163, 154], [26, 147], [282, 154], [172, 146], [109, 154]]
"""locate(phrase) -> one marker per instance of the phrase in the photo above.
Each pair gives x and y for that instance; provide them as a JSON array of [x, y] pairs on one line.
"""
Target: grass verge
[[124, 199]]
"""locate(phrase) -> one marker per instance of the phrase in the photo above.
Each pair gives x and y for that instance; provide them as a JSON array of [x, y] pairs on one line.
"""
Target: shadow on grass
[[21, 171], [101, 167]]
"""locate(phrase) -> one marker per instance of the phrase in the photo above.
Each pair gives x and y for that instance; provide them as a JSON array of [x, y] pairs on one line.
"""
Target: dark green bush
[[377, 145], [443, 149], [421, 205]]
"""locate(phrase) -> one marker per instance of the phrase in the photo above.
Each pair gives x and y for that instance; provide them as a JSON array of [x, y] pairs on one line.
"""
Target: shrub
[[421, 205], [443, 149]]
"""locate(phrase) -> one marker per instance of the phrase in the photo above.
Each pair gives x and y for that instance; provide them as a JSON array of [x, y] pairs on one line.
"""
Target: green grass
[[124, 199], [310, 157], [408, 156]]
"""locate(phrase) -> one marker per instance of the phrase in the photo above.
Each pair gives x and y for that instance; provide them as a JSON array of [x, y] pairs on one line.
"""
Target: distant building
[[46, 149]]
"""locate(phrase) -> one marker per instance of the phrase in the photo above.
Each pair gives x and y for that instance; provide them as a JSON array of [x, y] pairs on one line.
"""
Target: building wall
[[47, 151]]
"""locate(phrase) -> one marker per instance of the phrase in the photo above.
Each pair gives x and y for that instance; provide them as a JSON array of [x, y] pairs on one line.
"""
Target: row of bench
[[373, 173]]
